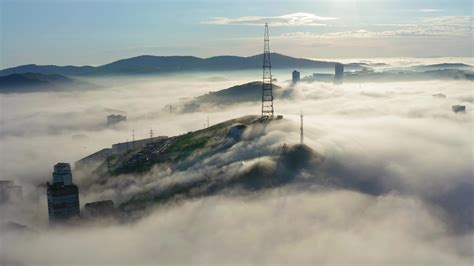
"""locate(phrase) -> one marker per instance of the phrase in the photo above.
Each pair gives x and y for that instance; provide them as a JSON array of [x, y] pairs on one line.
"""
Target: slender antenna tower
[[133, 138], [151, 133], [170, 107], [267, 87], [301, 128]]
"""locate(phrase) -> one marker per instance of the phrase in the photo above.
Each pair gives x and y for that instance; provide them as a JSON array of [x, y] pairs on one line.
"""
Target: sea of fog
[[404, 61], [396, 135]]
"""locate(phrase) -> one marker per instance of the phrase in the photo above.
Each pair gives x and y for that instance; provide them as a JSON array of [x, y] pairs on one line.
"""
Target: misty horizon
[[423, 59]]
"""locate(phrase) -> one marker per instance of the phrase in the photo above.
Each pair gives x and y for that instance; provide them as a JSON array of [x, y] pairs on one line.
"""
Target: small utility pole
[[133, 139], [301, 128], [169, 106], [151, 133]]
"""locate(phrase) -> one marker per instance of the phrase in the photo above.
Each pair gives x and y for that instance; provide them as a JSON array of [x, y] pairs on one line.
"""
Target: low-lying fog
[[397, 136]]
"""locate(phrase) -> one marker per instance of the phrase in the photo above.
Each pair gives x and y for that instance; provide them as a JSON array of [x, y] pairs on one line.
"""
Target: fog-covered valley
[[394, 184]]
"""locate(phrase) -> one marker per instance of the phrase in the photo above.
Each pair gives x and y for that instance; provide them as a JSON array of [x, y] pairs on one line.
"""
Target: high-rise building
[[339, 73], [295, 76], [62, 174], [63, 195]]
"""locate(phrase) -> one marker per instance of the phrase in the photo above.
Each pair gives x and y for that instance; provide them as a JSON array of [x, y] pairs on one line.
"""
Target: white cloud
[[429, 10], [295, 19], [281, 227], [381, 134], [435, 26]]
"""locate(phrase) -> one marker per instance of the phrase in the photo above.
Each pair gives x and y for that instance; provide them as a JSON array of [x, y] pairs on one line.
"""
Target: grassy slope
[[177, 152]]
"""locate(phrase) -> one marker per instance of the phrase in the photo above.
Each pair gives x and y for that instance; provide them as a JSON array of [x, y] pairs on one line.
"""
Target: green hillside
[[244, 93], [184, 156]]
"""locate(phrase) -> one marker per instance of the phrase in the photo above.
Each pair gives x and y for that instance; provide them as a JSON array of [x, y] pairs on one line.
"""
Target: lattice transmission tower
[[267, 87]]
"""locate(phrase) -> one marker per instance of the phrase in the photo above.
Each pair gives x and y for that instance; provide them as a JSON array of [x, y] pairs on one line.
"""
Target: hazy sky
[[94, 32]]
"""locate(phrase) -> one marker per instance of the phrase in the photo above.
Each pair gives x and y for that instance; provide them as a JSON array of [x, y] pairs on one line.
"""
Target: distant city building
[[339, 73], [114, 119], [99, 208], [295, 76], [9, 192], [63, 195], [459, 108], [469, 76]]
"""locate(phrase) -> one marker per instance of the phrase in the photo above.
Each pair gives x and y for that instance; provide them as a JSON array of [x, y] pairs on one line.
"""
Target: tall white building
[[63, 195]]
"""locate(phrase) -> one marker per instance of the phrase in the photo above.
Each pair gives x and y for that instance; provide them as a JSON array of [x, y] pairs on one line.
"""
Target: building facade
[[62, 174], [339, 73], [63, 195], [295, 76]]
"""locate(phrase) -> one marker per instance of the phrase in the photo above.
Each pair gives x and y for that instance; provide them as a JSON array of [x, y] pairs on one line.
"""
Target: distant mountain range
[[32, 82], [459, 66], [48, 70], [148, 64]]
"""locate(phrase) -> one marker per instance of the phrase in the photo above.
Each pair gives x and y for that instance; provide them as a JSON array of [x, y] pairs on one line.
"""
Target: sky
[[84, 32]]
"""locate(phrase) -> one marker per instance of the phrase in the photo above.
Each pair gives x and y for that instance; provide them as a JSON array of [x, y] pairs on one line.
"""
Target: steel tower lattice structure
[[267, 87]]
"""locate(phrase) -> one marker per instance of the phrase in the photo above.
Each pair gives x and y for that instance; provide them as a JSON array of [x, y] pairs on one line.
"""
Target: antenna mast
[[267, 87], [301, 128], [133, 139]]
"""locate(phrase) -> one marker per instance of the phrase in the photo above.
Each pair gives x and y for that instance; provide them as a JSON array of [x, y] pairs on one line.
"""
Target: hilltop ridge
[[205, 162], [33, 82]]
